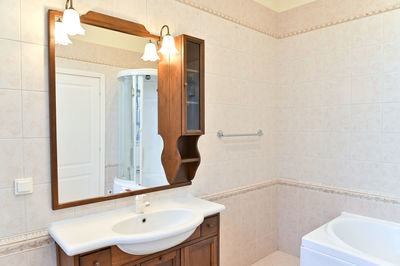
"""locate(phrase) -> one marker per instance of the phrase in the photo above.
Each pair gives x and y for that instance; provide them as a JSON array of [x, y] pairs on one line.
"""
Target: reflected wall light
[[60, 36], [71, 20], [150, 52], [168, 42]]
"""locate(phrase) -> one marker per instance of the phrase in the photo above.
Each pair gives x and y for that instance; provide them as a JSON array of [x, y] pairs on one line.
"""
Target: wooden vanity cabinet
[[200, 249]]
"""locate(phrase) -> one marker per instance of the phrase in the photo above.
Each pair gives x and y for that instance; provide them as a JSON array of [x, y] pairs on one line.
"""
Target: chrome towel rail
[[221, 134]]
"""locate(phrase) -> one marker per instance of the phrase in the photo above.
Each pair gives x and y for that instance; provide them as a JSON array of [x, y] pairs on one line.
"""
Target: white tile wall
[[347, 135], [346, 108], [240, 98]]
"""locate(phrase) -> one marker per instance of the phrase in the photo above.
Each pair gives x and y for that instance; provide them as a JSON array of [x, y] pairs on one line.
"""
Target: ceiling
[[283, 5]]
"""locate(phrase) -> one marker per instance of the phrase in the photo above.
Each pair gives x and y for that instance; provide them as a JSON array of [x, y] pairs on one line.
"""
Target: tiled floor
[[278, 258]]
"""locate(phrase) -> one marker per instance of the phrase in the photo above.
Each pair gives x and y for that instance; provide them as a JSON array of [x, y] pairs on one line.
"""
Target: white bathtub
[[352, 240]]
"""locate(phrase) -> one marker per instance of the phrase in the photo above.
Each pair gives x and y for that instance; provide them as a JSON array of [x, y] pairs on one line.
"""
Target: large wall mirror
[[103, 112]]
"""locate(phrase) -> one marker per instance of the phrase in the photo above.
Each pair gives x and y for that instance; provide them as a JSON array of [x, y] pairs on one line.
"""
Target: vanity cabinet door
[[169, 259], [99, 258], [204, 253]]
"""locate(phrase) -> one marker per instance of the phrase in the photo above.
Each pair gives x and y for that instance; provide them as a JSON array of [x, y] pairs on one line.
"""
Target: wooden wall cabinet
[[181, 108], [200, 249]]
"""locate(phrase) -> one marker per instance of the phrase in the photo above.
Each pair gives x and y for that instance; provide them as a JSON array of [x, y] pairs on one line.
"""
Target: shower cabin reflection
[[140, 146]]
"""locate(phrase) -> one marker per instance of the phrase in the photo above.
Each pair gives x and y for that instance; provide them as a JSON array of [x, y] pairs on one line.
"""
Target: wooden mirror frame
[[103, 21]]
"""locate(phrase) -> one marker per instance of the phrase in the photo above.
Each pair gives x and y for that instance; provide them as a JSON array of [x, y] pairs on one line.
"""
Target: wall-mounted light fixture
[[150, 52], [168, 42], [71, 20], [61, 37]]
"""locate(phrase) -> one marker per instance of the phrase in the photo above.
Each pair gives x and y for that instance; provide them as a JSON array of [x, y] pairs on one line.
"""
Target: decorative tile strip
[[241, 190], [332, 23], [279, 35], [339, 190], [306, 185], [227, 17], [24, 242]]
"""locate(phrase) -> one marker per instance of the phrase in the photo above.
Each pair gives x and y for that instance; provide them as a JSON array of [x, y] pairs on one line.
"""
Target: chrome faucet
[[141, 204]]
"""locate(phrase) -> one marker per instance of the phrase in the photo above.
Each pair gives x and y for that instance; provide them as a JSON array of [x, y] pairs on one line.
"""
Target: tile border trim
[[33, 240], [24, 242], [227, 17], [240, 190], [340, 21], [278, 35], [340, 191]]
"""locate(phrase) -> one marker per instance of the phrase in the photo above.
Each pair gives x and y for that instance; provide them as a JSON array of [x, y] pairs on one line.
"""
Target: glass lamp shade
[[60, 36], [168, 45], [150, 52], [72, 22]]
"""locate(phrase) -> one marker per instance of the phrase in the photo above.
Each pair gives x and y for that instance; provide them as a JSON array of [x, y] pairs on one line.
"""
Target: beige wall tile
[[40, 203], [15, 259], [14, 206], [390, 115], [10, 19], [366, 146], [34, 67], [45, 256], [366, 117], [10, 68], [10, 114], [367, 31], [34, 19], [391, 87], [366, 89], [36, 114], [11, 162], [391, 148], [37, 160]]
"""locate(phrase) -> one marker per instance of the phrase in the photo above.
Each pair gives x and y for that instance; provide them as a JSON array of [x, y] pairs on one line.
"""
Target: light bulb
[[168, 45], [150, 52], [72, 22], [60, 35]]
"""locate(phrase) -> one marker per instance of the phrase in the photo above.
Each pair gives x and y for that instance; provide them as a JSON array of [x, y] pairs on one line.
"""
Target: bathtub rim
[[323, 242]]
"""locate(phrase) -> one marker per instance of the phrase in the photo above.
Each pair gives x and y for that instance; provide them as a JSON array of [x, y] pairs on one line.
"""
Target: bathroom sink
[[156, 231], [166, 223]]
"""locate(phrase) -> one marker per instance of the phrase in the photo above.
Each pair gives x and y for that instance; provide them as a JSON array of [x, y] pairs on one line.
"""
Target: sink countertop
[[87, 233]]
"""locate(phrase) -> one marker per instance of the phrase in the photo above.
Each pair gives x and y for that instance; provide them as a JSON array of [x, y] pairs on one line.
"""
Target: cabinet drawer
[[99, 258], [169, 259], [210, 226]]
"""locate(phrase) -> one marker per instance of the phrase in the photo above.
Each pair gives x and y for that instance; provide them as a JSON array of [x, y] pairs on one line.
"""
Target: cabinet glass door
[[192, 85]]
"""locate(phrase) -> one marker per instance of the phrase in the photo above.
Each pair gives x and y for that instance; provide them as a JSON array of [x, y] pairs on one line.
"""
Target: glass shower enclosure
[[140, 146]]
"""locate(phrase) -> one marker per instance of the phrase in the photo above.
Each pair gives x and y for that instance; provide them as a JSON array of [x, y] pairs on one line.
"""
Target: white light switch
[[23, 186]]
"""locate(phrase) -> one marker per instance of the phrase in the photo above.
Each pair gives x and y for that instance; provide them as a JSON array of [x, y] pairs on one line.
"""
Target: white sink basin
[[169, 221], [156, 231]]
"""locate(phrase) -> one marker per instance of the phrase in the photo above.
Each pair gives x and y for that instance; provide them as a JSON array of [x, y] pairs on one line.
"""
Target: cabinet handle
[[160, 258], [186, 84], [97, 263], [209, 225]]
